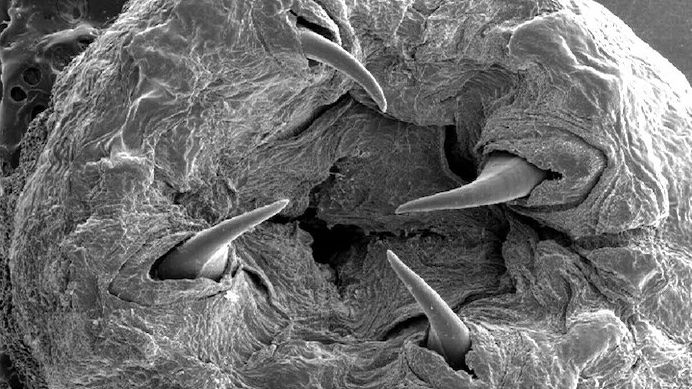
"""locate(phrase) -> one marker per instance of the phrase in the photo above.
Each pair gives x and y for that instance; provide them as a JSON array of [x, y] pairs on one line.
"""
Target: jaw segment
[[321, 49], [504, 177], [205, 254], [448, 335]]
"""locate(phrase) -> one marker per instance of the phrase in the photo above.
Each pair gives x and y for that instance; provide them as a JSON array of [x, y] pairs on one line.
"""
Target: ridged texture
[[180, 112]]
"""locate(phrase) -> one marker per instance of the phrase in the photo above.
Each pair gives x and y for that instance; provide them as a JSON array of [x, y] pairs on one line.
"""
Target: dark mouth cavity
[[301, 22]]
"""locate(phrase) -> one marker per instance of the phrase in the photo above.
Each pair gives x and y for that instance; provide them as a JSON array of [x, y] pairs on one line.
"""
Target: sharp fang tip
[[204, 254], [448, 336], [504, 177], [321, 49]]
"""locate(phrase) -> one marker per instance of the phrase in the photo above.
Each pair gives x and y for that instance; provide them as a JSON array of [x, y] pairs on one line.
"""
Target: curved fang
[[321, 49], [448, 335], [205, 254], [504, 177]]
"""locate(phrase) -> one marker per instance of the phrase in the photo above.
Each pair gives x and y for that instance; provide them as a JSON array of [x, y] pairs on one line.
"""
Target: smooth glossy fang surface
[[448, 335], [504, 177], [205, 254], [321, 49]]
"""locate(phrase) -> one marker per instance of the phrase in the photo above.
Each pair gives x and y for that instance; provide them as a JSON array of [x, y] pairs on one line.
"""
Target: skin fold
[[186, 113]]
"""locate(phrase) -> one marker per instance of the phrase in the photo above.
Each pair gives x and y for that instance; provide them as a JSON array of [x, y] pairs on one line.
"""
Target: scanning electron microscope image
[[343, 194]]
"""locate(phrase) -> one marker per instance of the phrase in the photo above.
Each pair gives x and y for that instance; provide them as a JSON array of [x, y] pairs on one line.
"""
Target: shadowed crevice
[[460, 164], [8, 375], [545, 232], [325, 32], [328, 242], [330, 245]]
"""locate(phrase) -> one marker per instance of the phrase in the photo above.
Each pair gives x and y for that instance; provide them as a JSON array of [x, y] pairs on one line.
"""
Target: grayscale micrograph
[[346, 194]]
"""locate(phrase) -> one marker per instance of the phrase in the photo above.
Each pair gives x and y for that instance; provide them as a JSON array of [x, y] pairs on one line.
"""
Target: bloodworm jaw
[[206, 253], [448, 335], [504, 177], [321, 49]]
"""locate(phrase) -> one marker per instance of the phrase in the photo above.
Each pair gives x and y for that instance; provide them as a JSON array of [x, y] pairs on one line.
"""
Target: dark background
[[666, 25]]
